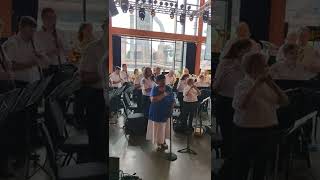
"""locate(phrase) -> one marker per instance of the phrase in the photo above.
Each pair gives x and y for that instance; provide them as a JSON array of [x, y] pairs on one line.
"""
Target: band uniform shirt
[[124, 76], [261, 110], [45, 42], [228, 74], [170, 79], [92, 62], [147, 83], [19, 50], [281, 70], [193, 94], [181, 85], [115, 77]]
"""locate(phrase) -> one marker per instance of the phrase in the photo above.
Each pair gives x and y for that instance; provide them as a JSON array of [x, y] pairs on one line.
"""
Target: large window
[[138, 53]]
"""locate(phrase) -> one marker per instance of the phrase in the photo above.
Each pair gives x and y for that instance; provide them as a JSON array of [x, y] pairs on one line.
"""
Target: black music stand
[[7, 102], [171, 156], [201, 127], [29, 97]]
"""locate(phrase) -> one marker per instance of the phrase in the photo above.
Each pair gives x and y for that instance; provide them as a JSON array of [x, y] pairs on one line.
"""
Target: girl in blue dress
[[162, 101]]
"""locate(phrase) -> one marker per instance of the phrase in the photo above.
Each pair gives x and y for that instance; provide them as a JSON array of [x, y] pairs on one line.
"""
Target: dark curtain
[[256, 13], [116, 47], [191, 56], [23, 8]]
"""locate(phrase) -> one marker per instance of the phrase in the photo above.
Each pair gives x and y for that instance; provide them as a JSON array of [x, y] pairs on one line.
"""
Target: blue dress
[[160, 111]]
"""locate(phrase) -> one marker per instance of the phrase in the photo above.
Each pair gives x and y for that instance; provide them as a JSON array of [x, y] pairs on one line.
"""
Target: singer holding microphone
[[256, 99], [162, 101]]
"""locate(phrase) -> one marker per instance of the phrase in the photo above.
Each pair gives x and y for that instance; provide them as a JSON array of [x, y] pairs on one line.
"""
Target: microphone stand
[[171, 156]]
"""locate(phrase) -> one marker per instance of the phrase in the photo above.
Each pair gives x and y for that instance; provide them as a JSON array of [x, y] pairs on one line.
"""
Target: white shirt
[[281, 70], [230, 42], [192, 96], [45, 42], [170, 79], [228, 74], [280, 55], [115, 77], [261, 110], [146, 84], [124, 76], [181, 85], [137, 79], [92, 61], [20, 51], [202, 84]]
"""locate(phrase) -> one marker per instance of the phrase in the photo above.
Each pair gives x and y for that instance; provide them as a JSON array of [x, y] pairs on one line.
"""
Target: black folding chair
[[83, 171]]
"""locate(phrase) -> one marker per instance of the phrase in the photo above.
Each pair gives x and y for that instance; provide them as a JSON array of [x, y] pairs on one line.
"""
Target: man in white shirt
[[26, 61], [256, 99], [170, 78], [124, 73], [50, 40], [288, 68], [115, 78], [290, 39], [92, 75], [190, 101], [308, 56]]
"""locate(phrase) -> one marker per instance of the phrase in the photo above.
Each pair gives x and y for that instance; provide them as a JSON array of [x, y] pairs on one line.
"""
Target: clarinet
[[39, 66], [55, 35]]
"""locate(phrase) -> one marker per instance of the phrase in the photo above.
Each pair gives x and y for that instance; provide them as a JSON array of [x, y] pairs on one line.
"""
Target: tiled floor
[[141, 158]]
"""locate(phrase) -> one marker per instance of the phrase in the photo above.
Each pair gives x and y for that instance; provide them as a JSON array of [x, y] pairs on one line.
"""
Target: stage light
[[161, 3], [171, 4], [182, 18], [205, 16], [189, 8], [142, 13], [124, 5], [153, 12], [131, 10], [181, 6], [172, 15], [166, 3], [176, 5], [155, 2]]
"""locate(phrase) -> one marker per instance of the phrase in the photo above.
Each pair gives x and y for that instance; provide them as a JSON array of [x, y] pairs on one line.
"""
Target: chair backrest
[[125, 107], [39, 91], [127, 98]]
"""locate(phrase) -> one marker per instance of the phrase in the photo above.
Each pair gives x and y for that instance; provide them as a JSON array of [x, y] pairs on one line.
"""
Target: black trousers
[[96, 122], [188, 112], [180, 99], [139, 100], [146, 105], [252, 147], [224, 115]]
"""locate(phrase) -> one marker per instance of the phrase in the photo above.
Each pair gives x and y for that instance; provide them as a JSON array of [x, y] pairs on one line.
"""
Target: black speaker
[[113, 11]]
